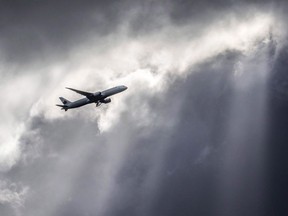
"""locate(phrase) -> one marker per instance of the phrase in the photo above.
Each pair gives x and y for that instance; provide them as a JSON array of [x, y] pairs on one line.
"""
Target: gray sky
[[200, 130]]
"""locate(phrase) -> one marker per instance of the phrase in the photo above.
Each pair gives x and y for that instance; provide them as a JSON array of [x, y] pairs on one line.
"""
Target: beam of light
[[243, 177]]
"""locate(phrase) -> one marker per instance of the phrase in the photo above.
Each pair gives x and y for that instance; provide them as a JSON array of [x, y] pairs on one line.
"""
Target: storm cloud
[[200, 130]]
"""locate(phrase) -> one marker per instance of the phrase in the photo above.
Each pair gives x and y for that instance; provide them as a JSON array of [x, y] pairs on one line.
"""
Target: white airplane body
[[97, 97]]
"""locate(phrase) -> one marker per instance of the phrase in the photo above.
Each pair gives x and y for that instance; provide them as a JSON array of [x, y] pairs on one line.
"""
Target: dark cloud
[[33, 28], [43, 29], [277, 129]]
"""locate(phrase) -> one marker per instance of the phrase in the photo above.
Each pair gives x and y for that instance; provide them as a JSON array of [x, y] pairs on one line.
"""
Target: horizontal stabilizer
[[60, 105], [64, 107]]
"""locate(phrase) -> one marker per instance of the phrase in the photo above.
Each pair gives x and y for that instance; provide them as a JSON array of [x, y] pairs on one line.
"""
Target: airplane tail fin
[[64, 101]]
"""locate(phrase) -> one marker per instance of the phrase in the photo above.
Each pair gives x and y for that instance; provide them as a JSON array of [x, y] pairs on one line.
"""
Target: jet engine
[[107, 100]]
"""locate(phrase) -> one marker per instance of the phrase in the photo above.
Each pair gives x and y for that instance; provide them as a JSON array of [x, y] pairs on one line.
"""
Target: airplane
[[98, 97]]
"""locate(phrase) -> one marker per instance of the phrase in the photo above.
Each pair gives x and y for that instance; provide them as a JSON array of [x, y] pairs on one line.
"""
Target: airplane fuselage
[[79, 103], [98, 98]]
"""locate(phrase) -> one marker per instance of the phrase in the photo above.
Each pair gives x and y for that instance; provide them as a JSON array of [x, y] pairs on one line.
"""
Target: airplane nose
[[125, 87]]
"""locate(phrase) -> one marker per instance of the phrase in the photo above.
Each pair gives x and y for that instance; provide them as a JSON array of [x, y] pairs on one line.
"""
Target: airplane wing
[[87, 94]]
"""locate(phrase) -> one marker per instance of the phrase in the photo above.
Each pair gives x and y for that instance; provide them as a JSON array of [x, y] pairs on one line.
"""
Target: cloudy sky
[[201, 130]]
